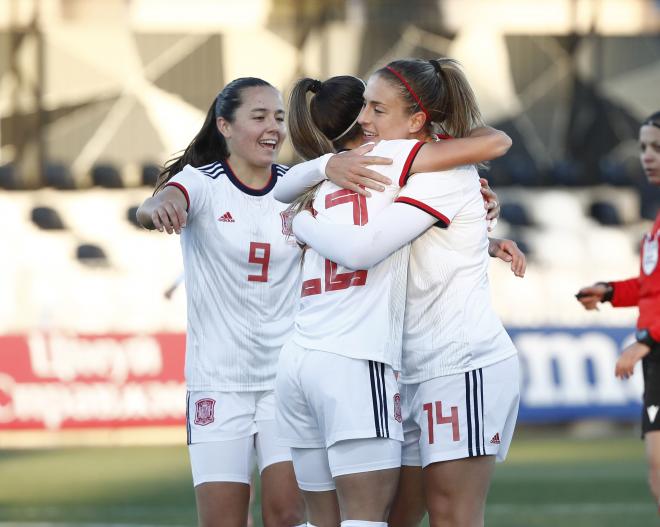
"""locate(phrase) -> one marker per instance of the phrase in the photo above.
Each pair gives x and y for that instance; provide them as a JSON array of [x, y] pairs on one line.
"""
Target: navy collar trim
[[250, 190]]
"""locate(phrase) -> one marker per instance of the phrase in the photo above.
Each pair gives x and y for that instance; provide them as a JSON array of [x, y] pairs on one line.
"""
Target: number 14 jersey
[[357, 313]]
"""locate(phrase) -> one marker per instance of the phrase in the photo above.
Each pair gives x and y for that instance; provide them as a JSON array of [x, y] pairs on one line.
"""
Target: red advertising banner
[[62, 381]]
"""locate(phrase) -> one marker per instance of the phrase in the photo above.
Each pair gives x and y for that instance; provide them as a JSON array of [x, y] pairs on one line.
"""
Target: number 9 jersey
[[357, 313], [242, 278]]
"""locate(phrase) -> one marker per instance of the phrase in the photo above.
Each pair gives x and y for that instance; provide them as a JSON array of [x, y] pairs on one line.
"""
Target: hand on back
[[491, 203], [349, 170]]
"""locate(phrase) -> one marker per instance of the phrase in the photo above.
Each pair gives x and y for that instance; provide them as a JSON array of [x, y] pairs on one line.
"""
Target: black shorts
[[651, 409]]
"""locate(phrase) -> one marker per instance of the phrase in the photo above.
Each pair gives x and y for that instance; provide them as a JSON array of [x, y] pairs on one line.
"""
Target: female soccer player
[[642, 291], [242, 276], [342, 406], [456, 354]]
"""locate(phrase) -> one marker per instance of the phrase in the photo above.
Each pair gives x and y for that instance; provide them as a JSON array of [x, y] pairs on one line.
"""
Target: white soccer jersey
[[357, 314], [450, 325], [242, 279]]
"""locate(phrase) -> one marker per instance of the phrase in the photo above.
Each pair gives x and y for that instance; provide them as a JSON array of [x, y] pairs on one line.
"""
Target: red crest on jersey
[[287, 219], [397, 407], [204, 411]]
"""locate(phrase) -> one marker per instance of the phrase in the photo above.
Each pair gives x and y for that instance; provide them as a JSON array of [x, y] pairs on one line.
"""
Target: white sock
[[362, 523]]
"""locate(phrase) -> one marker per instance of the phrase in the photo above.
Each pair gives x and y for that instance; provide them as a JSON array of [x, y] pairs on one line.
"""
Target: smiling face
[[385, 115], [258, 129], [649, 143]]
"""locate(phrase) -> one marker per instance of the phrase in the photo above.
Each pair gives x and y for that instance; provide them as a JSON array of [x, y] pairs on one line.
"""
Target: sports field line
[[572, 508]]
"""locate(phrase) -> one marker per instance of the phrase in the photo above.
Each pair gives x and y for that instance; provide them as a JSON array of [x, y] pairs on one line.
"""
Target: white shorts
[[228, 432], [324, 398], [316, 468], [464, 415]]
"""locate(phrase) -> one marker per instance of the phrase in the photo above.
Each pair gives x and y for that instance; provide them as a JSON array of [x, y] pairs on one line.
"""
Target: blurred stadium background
[[96, 94]]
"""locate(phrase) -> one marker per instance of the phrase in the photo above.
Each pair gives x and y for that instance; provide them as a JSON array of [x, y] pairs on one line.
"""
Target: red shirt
[[644, 291]]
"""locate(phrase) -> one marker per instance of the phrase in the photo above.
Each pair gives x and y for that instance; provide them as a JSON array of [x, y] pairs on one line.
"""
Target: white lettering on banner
[[68, 358], [52, 403], [571, 354], [6, 389]]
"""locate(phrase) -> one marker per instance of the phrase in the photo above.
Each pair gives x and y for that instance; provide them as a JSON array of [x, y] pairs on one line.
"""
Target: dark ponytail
[[327, 120], [653, 120], [438, 88], [209, 144]]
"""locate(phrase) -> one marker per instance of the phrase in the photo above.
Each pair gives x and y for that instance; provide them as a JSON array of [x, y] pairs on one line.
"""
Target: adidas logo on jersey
[[496, 439], [226, 217]]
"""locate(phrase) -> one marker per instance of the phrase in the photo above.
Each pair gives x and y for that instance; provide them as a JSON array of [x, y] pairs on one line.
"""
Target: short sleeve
[[440, 194], [402, 152], [193, 184]]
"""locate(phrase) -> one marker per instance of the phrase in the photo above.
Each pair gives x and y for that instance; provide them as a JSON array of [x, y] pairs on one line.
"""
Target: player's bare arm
[[349, 170], [483, 144], [166, 211], [508, 251]]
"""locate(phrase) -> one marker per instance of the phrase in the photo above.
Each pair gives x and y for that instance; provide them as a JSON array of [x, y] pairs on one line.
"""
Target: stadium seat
[[131, 216], [47, 219], [9, 177], [106, 176], [605, 213], [615, 173], [91, 255], [515, 214], [566, 172], [522, 171], [150, 173], [58, 175]]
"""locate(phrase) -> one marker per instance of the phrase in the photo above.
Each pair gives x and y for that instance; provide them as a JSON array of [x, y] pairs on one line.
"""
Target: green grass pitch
[[545, 482]]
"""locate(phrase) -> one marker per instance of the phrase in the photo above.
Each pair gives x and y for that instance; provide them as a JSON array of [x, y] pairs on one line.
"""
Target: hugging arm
[[363, 247], [350, 171], [299, 178], [483, 144]]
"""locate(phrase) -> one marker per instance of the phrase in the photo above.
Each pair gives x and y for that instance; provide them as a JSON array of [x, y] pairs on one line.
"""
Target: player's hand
[[491, 203], [590, 296], [508, 251], [168, 215], [349, 170], [630, 356]]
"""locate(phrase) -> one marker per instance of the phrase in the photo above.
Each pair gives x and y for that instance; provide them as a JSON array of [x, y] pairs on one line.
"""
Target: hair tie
[[350, 127], [315, 86], [347, 129], [410, 90], [436, 66]]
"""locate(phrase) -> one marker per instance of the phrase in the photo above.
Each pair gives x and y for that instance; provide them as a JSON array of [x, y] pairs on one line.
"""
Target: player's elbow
[[502, 143]]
